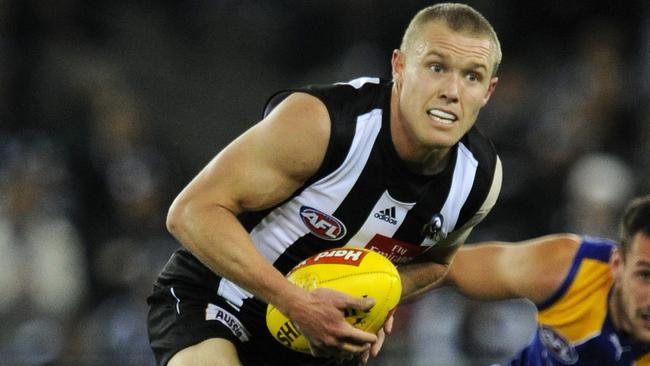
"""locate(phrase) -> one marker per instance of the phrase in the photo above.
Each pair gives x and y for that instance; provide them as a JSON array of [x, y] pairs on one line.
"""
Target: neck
[[429, 165], [417, 157]]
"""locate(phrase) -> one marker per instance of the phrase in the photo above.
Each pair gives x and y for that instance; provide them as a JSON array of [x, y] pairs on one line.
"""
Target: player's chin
[[642, 334], [442, 140], [445, 138], [643, 338]]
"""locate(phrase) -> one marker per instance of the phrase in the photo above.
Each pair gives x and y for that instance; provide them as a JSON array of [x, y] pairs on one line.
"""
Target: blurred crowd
[[107, 108]]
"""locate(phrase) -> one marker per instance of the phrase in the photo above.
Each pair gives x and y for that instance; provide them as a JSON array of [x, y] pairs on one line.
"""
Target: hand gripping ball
[[355, 271]]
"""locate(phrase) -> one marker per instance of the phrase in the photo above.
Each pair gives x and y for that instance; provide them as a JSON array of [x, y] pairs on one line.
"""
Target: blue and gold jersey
[[574, 325]]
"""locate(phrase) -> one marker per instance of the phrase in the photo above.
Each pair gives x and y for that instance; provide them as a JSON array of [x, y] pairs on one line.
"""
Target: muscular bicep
[[270, 161], [533, 269]]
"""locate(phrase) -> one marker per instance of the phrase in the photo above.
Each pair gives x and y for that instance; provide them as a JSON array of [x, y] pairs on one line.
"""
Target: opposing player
[[593, 295], [395, 166]]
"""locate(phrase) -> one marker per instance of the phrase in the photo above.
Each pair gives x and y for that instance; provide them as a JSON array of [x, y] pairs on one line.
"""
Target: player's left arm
[[421, 276], [426, 272]]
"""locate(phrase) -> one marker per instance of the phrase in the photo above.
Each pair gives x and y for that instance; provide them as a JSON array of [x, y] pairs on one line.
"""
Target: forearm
[[419, 278], [533, 269], [216, 237], [428, 272], [476, 273]]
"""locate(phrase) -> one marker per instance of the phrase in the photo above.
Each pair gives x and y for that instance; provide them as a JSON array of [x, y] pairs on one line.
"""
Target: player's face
[[632, 293], [442, 82]]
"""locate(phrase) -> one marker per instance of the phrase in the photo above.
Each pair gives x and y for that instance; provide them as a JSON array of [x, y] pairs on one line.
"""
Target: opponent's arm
[[260, 169], [533, 269]]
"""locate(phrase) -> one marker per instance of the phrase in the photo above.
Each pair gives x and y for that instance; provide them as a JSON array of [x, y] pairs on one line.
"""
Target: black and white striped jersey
[[364, 196]]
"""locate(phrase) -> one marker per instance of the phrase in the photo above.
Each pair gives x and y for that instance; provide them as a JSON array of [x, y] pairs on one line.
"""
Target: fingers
[[388, 324], [381, 337], [342, 300], [364, 357], [345, 343], [350, 351], [361, 303], [353, 350], [326, 329], [360, 337], [342, 352], [374, 349], [352, 344]]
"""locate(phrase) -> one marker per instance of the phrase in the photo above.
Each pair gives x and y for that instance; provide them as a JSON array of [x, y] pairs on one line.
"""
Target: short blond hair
[[458, 17]]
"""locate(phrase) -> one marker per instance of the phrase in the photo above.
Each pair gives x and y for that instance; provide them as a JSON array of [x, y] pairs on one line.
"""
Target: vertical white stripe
[[461, 186], [283, 226], [178, 301]]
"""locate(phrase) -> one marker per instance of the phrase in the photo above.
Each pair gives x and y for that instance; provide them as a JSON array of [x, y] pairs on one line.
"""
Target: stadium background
[[108, 108]]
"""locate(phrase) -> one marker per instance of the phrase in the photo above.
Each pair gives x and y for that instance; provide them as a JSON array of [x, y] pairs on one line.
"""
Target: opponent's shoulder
[[540, 266], [598, 249], [582, 294], [561, 243], [565, 252], [564, 270], [555, 250]]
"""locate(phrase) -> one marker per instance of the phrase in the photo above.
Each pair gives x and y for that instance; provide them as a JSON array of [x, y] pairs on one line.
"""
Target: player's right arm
[[260, 169], [532, 269]]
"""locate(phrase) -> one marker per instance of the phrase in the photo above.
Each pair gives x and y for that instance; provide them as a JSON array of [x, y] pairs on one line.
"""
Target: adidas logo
[[387, 215]]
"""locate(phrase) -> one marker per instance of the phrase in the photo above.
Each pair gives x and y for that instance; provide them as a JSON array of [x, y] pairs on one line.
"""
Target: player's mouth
[[441, 116]]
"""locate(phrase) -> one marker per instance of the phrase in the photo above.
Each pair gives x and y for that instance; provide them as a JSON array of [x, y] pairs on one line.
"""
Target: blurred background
[[108, 108]]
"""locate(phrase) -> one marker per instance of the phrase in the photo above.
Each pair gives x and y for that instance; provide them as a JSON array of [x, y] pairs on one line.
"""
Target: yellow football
[[355, 271]]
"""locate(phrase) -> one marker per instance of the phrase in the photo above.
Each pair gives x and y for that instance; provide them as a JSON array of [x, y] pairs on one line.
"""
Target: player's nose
[[449, 88]]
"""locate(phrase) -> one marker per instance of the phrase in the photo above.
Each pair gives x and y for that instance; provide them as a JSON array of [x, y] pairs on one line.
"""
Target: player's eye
[[644, 275], [472, 76], [436, 68]]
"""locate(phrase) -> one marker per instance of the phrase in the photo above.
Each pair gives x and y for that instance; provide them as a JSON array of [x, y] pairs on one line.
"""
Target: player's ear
[[397, 63], [491, 87], [616, 264]]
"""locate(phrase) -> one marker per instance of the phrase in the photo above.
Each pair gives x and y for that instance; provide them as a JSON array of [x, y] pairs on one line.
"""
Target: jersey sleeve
[[577, 309]]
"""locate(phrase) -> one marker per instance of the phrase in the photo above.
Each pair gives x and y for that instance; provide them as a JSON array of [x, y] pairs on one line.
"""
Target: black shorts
[[185, 309]]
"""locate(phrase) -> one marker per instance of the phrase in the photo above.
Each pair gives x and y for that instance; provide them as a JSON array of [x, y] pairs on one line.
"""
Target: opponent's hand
[[381, 336], [320, 318]]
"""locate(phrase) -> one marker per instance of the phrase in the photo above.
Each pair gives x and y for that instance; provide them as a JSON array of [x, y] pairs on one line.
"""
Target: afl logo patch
[[558, 347], [322, 225]]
